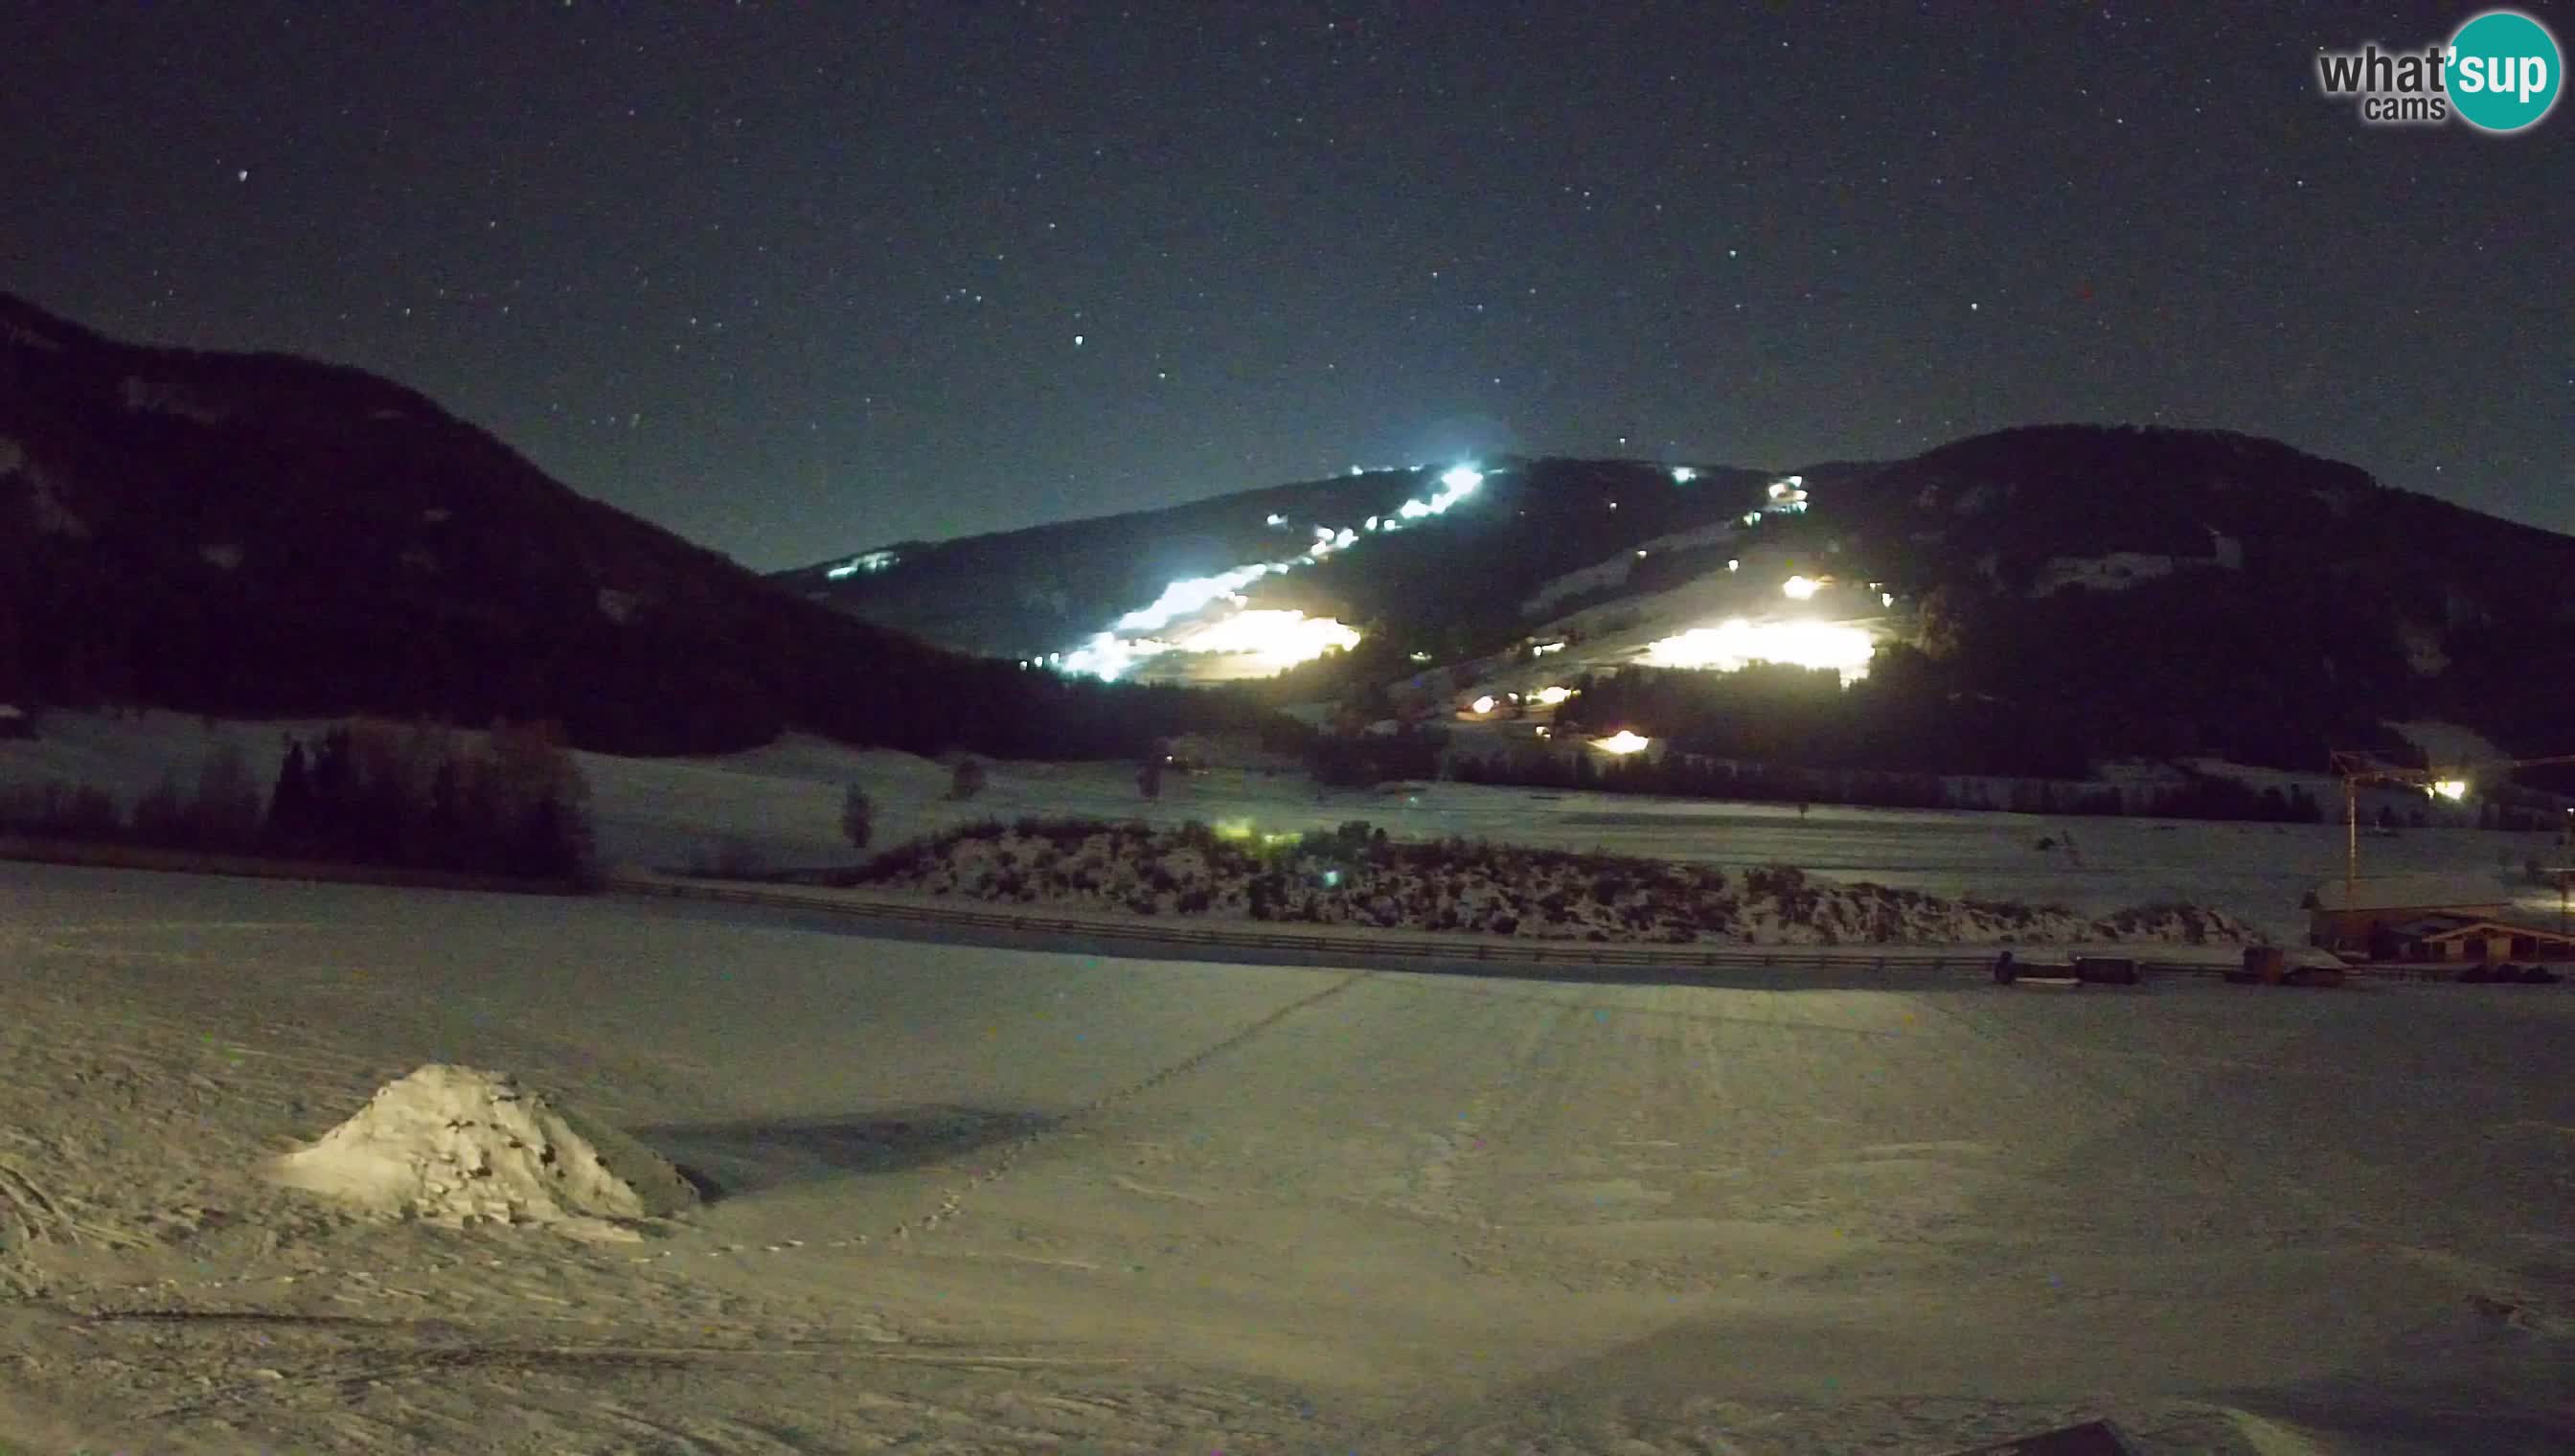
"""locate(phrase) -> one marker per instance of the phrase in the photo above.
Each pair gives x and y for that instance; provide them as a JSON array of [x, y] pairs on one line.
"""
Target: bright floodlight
[[1622, 742], [1181, 599], [1461, 478], [2452, 789], [1798, 589], [1550, 696], [1682, 474], [1731, 645], [1482, 704], [1107, 657], [1271, 640]]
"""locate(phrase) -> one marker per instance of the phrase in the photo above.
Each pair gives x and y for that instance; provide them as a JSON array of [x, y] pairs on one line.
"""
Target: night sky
[[798, 279]]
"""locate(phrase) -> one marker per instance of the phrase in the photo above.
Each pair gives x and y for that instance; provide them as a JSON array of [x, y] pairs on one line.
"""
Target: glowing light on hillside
[[2451, 788], [1264, 637], [875, 561], [1885, 599], [1544, 648], [1682, 474], [1272, 641], [1109, 656], [1482, 704], [1550, 696], [1622, 742], [1800, 589], [1735, 566], [1789, 494], [1182, 597], [1258, 642], [1732, 646]]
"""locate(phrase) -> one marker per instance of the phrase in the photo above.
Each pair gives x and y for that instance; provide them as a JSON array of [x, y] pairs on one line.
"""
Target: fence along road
[[1423, 947]]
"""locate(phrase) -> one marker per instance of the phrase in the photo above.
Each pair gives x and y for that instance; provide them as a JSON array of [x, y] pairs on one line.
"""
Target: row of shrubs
[[1291, 878], [512, 803]]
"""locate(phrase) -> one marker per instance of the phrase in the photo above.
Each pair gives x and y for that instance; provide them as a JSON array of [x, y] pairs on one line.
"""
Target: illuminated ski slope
[[1209, 621], [1212, 614]]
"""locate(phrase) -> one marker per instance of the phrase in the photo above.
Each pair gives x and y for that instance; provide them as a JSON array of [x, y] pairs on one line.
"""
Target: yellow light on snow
[[1729, 646], [1622, 742], [2451, 788], [1550, 696]]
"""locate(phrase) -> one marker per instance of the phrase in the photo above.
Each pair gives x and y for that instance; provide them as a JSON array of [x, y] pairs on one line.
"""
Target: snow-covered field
[[974, 1199], [782, 803]]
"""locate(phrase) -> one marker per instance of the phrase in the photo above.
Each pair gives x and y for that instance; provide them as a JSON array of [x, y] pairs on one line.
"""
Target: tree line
[[1688, 776], [511, 803]]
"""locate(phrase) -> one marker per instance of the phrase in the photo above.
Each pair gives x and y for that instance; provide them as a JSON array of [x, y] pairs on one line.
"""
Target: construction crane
[[2451, 781]]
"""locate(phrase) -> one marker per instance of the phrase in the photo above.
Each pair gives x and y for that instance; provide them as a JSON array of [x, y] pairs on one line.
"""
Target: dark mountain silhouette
[[264, 534], [2066, 594]]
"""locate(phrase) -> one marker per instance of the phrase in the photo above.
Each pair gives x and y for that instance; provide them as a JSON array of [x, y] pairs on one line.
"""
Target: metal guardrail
[[1406, 944]]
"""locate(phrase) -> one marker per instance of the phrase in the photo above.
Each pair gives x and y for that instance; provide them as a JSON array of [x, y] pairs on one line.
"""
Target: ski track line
[[351, 1371], [951, 1199], [2210, 1160], [41, 1221]]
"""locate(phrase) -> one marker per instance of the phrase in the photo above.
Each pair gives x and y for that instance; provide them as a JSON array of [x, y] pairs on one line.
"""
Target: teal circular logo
[[2504, 71]]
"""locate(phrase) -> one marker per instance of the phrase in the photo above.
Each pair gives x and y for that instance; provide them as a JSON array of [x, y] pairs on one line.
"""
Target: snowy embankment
[[1353, 878]]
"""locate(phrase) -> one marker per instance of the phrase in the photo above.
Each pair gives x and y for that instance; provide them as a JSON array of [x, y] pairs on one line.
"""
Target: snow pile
[[1356, 877], [457, 1146]]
